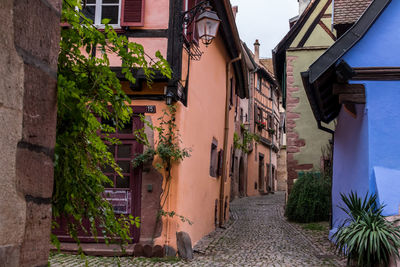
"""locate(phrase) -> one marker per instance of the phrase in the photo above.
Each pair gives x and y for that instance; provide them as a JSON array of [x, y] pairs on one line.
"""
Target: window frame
[[214, 158], [98, 9]]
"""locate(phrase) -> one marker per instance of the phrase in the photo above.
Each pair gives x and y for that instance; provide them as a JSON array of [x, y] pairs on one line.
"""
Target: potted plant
[[261, 125], [366, 238]]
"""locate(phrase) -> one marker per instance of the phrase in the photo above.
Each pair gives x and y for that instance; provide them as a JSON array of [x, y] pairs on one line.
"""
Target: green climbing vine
[[247, 139], [89, 92], [167, 149]]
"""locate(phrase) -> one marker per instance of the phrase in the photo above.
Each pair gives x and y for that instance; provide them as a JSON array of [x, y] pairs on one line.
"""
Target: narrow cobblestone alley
[[258, 235]]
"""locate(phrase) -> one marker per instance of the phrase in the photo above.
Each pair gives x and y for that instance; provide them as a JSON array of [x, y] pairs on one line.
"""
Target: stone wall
[[30, 41], [281, 184], [294, 142]]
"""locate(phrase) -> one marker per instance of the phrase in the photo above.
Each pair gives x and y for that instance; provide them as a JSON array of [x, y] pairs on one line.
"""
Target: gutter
[[225, 148]]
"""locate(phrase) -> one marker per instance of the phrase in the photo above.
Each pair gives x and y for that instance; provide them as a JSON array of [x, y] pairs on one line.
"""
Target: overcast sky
[[265, 20]]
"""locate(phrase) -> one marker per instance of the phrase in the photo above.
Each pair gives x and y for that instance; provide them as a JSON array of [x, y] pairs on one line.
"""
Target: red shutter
[[132, 13], [191, 33]]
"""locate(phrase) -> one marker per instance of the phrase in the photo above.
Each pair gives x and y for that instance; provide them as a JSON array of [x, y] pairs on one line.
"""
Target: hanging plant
[[244, 143], [261, 125]]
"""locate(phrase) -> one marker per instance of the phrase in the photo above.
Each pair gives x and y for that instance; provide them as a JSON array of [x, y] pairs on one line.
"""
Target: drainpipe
[[333, 142], [225, 149]]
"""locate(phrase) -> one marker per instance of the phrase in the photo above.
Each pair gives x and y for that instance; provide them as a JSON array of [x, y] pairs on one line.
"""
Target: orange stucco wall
[[193, 191]]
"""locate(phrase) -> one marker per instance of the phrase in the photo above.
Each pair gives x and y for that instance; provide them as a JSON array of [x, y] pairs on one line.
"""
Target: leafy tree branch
[[88, 92]]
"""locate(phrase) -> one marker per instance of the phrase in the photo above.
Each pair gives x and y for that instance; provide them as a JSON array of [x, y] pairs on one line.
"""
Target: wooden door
[[125, 195]]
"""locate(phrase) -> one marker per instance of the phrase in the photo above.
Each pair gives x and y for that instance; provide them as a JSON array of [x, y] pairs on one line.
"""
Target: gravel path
[[258, 235]]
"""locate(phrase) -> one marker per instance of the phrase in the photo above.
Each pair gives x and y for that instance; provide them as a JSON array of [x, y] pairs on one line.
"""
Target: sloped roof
[[349, 11], [318, 79], [279, 52], [268, 64]]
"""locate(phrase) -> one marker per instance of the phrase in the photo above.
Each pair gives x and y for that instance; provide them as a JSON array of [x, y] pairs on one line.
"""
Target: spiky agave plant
[[366, 237]]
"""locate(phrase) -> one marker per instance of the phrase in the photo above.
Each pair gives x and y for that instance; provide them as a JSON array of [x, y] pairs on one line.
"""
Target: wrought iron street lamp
[[207, 21], [207, 24]]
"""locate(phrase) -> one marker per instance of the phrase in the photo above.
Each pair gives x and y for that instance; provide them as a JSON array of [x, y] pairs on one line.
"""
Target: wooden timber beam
[[352, 98], [349, 93], [339, 89]]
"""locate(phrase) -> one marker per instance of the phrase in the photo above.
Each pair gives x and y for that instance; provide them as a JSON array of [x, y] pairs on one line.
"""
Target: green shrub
[[314, 227], [366, 237], [309, 200]]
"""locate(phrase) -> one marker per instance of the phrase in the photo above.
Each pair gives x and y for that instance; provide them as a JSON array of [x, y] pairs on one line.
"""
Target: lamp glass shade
[[207, 25]]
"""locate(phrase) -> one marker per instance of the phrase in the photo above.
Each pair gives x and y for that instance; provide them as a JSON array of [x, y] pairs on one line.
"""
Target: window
[[259, 115], [258, 86], [214, 158], [270, 121], [120, 12], [97, 10]]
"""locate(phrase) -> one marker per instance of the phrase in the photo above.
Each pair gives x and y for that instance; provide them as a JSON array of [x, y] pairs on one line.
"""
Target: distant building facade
[[310, 35]]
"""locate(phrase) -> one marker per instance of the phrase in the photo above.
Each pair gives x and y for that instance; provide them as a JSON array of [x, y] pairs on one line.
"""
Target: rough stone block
[[148, 251], [293, 100], [169, 251], [138, 250], [300, 142], [292, 115], [9, 256], [37, 36], [40, 108], [184, 244], [34, 173], [293, 149], [36, 246], [12, 203], [158, 251]]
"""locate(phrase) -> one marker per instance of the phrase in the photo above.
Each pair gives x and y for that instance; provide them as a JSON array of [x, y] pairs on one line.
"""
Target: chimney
[[257, 51], [303, 5], [235, 10]]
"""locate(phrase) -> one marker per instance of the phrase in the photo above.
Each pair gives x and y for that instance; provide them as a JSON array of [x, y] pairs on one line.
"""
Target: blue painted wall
[[350, 159], [384, 133], [370, 143], [380, 45]]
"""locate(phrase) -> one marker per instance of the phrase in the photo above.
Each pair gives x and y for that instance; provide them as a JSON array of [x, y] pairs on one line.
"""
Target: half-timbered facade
[[265, 123], [205, 78], [310, 35]]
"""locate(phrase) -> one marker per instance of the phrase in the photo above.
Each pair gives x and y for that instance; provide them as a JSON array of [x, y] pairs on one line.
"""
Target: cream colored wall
[[318, 36], [306, 126]]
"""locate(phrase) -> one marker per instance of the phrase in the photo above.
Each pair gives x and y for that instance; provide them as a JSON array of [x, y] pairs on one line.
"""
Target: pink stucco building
[[206, 80]]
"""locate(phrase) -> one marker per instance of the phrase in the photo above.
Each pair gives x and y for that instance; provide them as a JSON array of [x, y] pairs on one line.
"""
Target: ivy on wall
[[165, 152], [244, 143], [89, 91]]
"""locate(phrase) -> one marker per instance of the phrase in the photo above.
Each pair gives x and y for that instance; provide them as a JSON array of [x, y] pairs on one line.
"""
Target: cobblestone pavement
[[259, 235]]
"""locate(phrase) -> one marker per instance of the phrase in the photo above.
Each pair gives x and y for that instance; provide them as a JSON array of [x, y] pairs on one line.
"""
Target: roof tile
[[349, 11]]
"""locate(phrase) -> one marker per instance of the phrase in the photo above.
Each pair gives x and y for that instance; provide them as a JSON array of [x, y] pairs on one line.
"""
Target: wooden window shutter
[[191, 34], [132, 13], [220, 162]]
